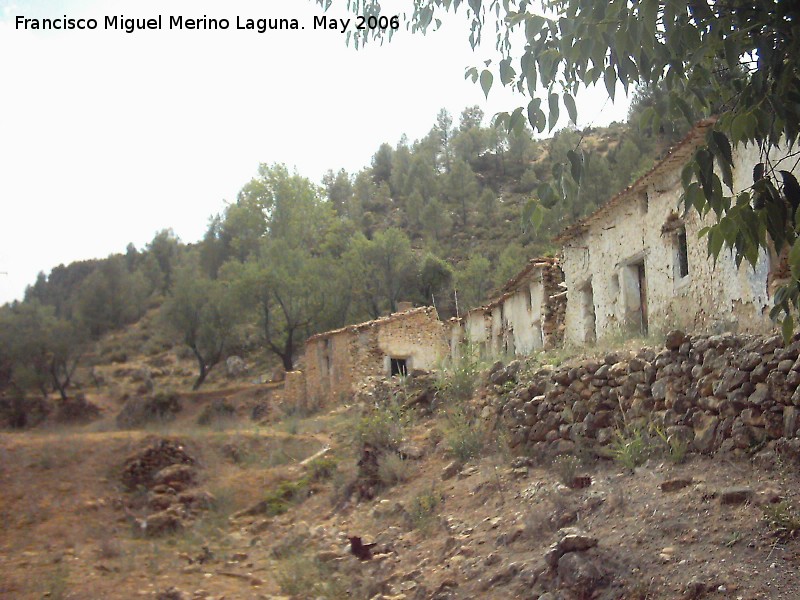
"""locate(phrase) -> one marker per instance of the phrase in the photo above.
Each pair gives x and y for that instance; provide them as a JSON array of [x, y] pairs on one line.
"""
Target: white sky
[[108, 137]]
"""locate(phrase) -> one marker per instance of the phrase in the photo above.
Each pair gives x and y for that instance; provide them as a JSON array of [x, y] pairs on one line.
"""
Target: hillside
[[218, 498]]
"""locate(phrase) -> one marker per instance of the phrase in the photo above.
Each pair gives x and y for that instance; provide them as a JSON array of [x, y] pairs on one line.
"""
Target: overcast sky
[[108, 137]]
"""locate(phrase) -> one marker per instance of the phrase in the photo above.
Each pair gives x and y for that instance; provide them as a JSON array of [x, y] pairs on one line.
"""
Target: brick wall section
[[336, 361]]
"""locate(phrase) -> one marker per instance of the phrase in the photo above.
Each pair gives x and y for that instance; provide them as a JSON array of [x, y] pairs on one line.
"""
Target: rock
[[176, 476], [172, 593], [674, 339], [140, 468], [705, 427], [673, 485], [451, 470], [790, 415], [235, 366], [571, 539], [578, 571], [760, 395], [735, 495], [162, 523]]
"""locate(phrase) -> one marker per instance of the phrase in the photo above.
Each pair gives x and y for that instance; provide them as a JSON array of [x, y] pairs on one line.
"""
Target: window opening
[[683, 253], [397, 366]]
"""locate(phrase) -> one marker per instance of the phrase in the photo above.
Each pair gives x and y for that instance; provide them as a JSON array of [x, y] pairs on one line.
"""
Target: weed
[[322, 468], [464, 438], [676, 446], [630, 447], [782, 518], [393, 469], [56, 583], [424, 508], [383, 427], [567, 468], [458, 377], [736, 536], [286, 494], [302, 576]]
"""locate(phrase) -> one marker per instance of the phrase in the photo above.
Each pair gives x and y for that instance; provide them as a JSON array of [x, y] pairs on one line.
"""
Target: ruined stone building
[[526, 316], [336, 361], [637, 264]]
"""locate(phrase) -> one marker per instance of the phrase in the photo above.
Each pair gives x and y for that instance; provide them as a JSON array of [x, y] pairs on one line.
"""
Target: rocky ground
[[668, 472]]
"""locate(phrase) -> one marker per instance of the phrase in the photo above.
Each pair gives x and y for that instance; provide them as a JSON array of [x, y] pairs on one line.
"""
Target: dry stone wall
[[717, 393]]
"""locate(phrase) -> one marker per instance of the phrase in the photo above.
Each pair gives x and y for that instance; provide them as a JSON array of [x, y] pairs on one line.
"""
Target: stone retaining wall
[[720, 392]]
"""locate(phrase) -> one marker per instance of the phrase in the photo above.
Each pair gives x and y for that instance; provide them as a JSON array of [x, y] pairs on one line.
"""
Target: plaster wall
[[604, 259]]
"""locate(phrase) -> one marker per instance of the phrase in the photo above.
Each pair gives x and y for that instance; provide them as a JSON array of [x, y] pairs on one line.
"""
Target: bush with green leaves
[[382, 426], [465, 438], [424, 508], [458, 377]]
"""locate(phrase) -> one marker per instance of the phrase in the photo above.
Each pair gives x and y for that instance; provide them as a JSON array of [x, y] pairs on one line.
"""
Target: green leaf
[[533, 109], [610, 79], [507, 72], [569, 102], [787, 328], [715, 242], [552, 102], [794, 260], [724, 145], [739, 128], [533, 214], [486, 81], [516, 122], [576, 165]]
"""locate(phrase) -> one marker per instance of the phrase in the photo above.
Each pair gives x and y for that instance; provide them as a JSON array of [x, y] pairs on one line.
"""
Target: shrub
[[287, 493], [567, 469], [464, 438], [140, 411], [458, 378], [630, 447], [782, 518], [383, 427], [322, 468], [216, 410], [424, 508], [393, 469]]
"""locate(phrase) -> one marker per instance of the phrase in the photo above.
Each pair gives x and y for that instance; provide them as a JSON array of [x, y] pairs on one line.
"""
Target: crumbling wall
[[527, 317], [337, 361], [644, 229], [294, 393], [328, 366]]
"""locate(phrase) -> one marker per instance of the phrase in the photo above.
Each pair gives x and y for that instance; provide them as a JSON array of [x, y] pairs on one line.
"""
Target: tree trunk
[[203, 367]]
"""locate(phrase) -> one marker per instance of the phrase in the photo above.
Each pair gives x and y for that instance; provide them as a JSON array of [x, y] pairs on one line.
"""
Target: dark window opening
[[683, 253], [530, 299], [397, 366]]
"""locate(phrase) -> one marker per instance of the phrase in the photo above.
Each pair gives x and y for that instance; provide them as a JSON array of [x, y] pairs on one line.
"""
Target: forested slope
[[426, 221]]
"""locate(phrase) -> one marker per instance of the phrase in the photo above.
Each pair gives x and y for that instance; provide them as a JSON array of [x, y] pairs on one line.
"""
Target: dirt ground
[[70, 529]]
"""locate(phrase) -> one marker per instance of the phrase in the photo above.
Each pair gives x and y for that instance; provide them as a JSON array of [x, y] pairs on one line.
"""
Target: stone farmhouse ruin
[[337, 361], [635, 266], [526, 316]]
